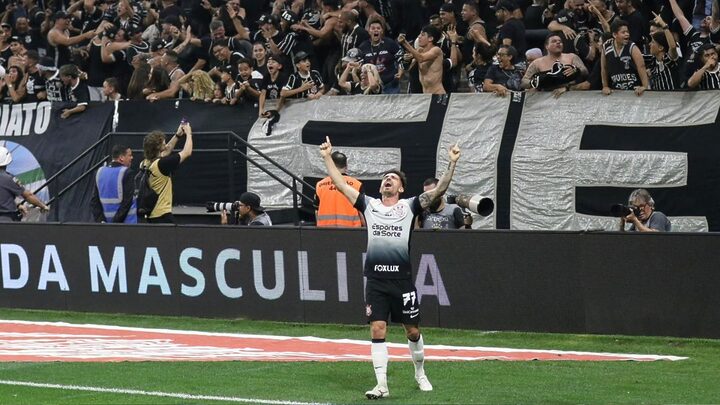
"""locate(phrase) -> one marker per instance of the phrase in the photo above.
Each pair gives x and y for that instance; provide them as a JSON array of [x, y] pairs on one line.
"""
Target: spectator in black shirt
[[512, 31], [35, 85], [76, 90], [12, 86], [478, 68], [352, 33], [708, 76], [304, 83], [504, 76], [225, 58], [382, 52], [637, 24], [272, 84], [30, 36], [249, 82]]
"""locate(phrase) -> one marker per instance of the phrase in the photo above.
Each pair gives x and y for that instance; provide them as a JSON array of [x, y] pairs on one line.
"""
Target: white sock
[[417, 352], [379, 354]]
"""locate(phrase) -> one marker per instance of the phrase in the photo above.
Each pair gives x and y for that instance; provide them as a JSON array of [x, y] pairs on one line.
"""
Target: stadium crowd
[[262, 52]]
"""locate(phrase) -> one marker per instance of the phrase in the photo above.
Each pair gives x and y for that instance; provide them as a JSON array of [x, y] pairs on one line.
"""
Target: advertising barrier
[[570, 282]]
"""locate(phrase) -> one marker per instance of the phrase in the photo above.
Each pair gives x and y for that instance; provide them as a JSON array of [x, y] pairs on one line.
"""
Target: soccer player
[[390, 292]]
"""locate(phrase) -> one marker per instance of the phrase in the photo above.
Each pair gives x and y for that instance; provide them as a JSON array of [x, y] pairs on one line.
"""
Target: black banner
[[42, 143], [661, 284]]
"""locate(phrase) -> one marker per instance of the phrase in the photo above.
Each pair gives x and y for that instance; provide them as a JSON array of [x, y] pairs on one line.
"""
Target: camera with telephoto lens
[[213, 206], [477, 203], [621, 210]]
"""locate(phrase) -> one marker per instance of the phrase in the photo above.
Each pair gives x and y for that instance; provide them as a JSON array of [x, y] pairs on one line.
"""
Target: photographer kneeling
[[643, 217], [247, 211]]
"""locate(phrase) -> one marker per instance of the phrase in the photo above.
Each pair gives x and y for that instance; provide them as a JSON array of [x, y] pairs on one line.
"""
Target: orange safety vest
[[335, 209]]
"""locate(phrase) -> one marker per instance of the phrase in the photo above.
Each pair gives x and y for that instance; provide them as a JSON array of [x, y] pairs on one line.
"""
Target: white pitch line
[[178, 395]]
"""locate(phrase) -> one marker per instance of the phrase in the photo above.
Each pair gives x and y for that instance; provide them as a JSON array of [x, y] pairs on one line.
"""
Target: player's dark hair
[[399, 173]]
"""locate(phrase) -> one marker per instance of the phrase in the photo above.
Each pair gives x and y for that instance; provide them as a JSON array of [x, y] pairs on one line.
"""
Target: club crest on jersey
[[398, 211], [368, 310]]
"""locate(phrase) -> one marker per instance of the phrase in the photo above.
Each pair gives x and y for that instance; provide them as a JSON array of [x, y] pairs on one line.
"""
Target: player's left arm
[[427, 198]]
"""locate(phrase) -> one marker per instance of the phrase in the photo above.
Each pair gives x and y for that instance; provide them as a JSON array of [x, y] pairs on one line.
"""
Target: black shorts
[[395, 298]]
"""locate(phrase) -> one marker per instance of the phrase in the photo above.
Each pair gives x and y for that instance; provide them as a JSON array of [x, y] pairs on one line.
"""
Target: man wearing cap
[[60, 41], [267, 30], [249, 212], [390, 294], [113, 195], [10, 188], [512, 31], [289, 43], [304, 83], [382, 53]]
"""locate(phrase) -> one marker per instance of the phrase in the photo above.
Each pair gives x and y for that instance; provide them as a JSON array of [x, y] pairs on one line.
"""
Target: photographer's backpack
[[145, 195]]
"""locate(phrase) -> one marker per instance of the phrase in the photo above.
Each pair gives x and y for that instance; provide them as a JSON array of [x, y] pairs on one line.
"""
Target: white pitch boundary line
[[178, 395], [346, 341]]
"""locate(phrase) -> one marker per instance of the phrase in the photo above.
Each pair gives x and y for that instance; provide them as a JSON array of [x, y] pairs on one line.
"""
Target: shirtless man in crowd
[[429, 58], [556, 70]]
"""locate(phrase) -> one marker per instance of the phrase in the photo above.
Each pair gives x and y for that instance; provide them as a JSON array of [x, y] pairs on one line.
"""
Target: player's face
[[391, 185]]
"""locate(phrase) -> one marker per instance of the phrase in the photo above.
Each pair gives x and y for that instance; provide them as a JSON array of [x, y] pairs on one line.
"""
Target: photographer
[[441, 215], [247, 211], [643, 217]]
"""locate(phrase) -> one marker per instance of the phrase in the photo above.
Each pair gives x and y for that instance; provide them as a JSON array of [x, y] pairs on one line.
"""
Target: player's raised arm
[[326, 151], [428, 197]]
